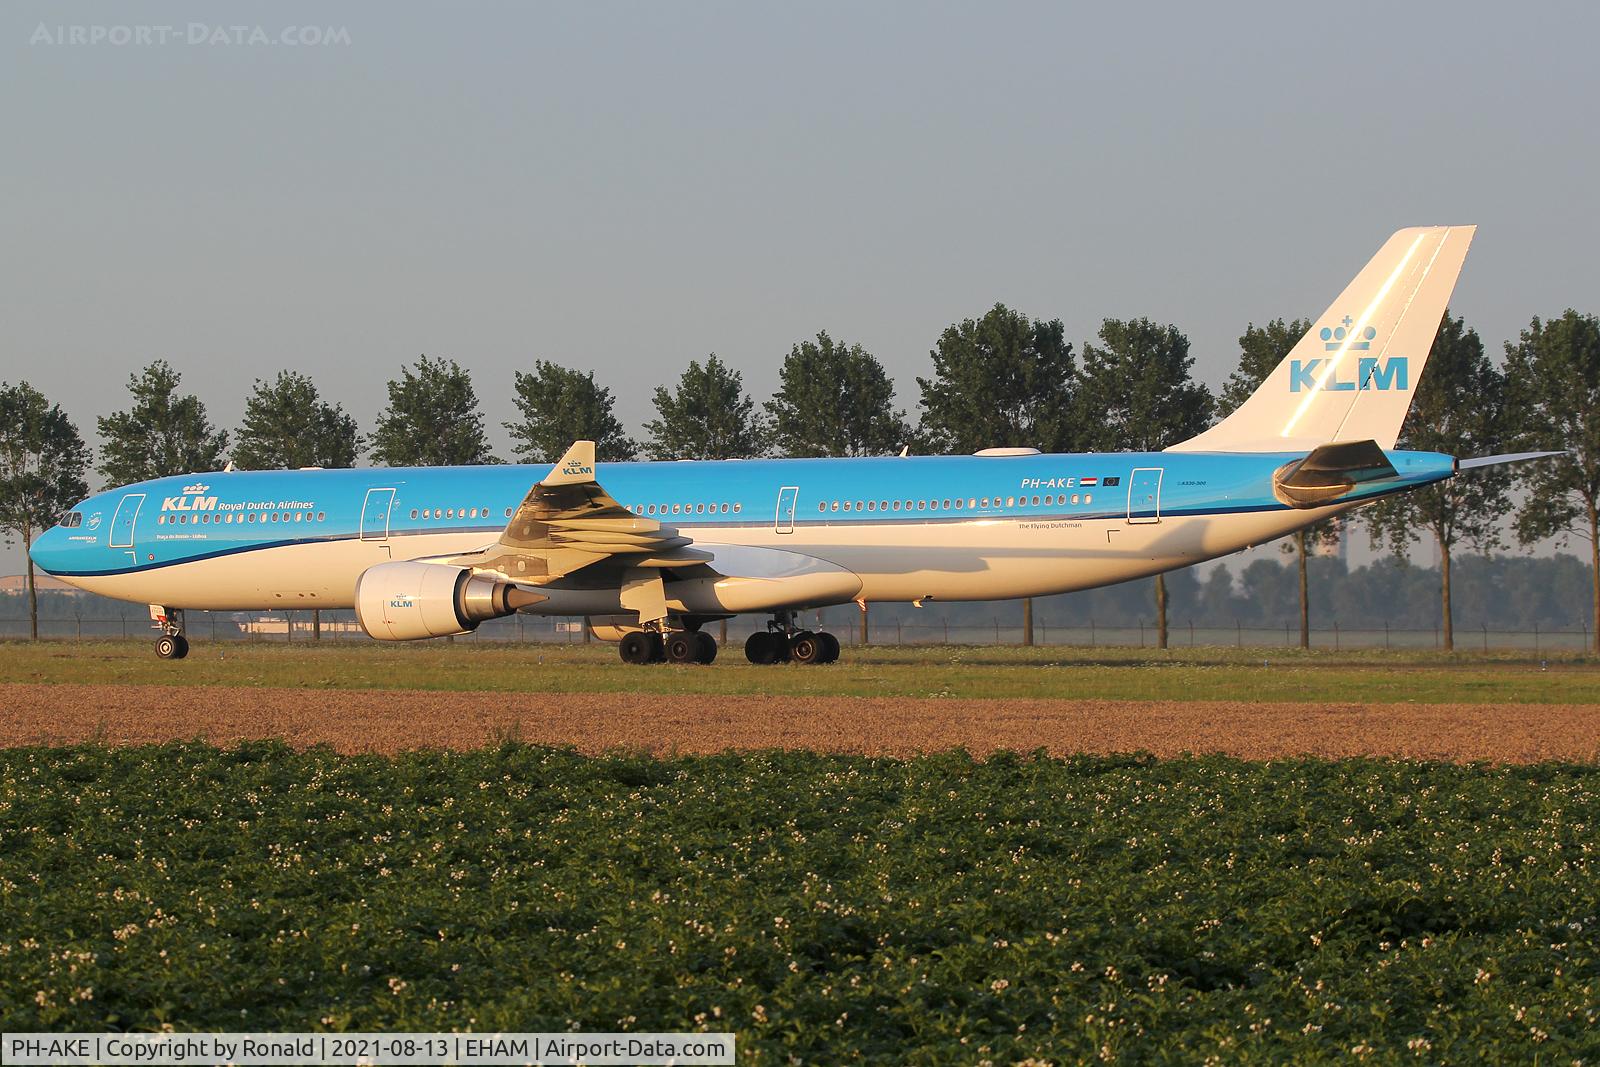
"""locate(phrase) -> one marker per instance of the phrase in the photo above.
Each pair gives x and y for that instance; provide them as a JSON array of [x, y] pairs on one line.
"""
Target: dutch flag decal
[[1089, 482]]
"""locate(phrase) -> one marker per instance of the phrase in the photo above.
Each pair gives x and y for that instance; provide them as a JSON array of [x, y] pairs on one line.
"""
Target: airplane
[[651, 552]]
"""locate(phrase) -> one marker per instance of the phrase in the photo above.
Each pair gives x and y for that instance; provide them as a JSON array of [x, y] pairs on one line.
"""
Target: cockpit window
[[72, 519]]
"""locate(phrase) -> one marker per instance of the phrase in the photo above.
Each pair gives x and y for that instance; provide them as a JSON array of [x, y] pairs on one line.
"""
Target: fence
[[341, 627]]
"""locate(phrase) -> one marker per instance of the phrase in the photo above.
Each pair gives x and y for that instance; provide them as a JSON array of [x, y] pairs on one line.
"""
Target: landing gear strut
[[171, 644], [781, 642]]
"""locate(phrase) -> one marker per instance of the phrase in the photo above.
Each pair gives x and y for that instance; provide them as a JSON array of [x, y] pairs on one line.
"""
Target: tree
[[835, 400], [432, 419], [1002, 380], [42, 460], [560, 406], [287, 425], [708, 417], [1553, 395], [1136, 394], [1261, 349], [162, 434], [1458, 409]]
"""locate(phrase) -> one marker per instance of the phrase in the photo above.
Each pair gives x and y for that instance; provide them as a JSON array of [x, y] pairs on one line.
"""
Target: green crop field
[[927, 671], [826, 908]]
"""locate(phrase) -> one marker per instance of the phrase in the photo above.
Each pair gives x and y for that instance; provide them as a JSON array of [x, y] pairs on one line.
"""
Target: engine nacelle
[[408, 601]]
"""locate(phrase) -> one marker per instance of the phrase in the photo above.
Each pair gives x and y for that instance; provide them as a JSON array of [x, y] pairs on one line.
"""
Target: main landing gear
[[782, 643], [171, 644], [675, 646]]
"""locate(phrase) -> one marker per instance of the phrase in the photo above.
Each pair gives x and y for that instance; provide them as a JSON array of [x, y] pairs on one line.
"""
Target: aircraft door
[[787, 496], [1144, 495], [122, 521], [375, 514]]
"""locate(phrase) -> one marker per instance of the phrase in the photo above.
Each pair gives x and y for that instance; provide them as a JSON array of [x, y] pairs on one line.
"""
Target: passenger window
[[1088, 498], [701, 509], [847, 505], [985, 501], [822, 506], [1035, 501], [897, 505], [675, 509], [872, 505], [1074, 498], [724, 509], [921, 505], [738, 508], [834, 506]]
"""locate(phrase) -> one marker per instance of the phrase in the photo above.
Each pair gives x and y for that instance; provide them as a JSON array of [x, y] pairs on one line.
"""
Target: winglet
[[574, 468]]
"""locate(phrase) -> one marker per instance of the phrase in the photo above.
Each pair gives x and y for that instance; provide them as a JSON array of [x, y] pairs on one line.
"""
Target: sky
[[338, 189]]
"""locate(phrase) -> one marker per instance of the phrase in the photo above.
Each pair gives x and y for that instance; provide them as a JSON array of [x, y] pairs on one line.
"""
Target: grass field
[[929, 671], [826, 908]]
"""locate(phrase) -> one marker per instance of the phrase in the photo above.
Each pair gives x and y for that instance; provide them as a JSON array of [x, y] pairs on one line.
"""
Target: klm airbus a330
[[650, 552]]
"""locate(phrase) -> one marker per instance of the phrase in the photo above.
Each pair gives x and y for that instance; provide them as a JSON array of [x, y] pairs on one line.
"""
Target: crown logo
[[198, 487], [1333, 339]]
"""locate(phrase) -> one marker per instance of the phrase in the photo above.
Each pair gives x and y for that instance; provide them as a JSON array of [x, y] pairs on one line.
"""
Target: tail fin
[[1351, 378]]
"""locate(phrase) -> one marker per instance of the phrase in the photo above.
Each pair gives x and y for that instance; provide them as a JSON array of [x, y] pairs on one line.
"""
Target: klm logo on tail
[[1371, 373]]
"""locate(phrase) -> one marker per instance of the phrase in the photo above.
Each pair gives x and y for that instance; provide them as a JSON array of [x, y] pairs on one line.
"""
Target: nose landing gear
[[171, 644]]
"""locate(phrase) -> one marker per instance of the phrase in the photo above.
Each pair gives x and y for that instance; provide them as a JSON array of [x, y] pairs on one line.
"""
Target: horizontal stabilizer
[[1510, 457], [1330, 471]]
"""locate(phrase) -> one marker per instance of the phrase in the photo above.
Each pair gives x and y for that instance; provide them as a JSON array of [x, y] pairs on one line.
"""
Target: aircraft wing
[[568, 521]]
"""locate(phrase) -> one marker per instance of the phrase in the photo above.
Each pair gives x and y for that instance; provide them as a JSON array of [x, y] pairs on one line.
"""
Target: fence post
[[1536, 636], [1386, 633], [997, 631], [1485, 637], [213, 616], [1191, 633], [947, 630], [1336, 635], [899, 633], [1141, 633], [1092, 642], [124, 625], [1238, 633]]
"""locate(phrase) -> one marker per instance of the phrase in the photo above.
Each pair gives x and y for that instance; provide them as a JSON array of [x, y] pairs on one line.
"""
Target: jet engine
[[409, 601]]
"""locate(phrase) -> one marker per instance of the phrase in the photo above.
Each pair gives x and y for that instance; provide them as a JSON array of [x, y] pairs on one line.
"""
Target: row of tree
[[1001, 379]]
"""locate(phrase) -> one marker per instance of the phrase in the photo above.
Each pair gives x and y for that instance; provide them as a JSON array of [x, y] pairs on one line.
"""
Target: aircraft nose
[[49, 550]]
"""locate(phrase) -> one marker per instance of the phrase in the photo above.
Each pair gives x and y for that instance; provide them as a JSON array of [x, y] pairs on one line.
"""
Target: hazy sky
[[626, 187]]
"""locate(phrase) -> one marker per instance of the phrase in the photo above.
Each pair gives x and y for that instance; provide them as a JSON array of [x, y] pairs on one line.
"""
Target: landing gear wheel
[[681, 647], [765, 648], [830, 647], [636, 647], [705, 647], [172, 646], [805, 647]]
